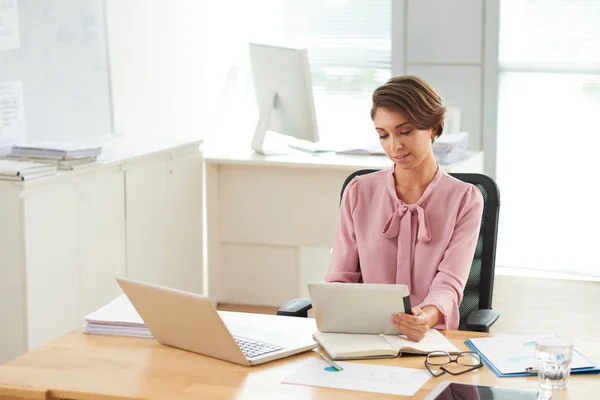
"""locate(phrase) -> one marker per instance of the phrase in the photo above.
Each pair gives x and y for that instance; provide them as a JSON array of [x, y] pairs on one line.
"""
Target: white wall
[[156, 67], [162, 80], [454, 46]]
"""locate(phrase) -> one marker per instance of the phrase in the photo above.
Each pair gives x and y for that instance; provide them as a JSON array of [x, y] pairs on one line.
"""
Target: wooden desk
[[271, 219], [79, 366]]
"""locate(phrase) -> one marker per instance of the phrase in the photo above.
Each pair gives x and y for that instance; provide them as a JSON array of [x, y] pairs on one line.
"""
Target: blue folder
[[588, 370]]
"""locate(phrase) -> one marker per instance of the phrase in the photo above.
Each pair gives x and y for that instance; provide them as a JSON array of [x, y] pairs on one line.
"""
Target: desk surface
[[297, 158], [119, 152], [80, 366]]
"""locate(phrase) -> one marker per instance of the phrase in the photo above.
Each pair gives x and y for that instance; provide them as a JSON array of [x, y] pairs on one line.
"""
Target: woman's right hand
[[415, 326]]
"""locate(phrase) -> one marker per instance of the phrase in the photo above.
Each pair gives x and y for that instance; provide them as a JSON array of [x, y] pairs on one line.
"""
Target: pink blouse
[[428, 245]]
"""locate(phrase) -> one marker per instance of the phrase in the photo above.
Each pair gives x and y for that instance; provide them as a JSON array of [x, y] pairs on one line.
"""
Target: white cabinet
[[64, 238], [13, 329], [74, 246], [164, 221], [51, 264], [185, 227], [101, 238], [146, 205]]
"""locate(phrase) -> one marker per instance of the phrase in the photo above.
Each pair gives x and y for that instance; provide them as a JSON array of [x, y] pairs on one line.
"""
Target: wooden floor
[[529, 305]]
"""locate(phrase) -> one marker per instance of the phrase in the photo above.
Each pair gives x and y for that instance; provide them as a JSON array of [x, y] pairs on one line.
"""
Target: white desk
[[271, 220]]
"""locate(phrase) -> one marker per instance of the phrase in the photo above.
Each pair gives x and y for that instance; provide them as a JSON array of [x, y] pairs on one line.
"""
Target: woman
[[413, 223]]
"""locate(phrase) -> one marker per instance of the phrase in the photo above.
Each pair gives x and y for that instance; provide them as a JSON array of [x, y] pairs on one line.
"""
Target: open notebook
[[347, 346]]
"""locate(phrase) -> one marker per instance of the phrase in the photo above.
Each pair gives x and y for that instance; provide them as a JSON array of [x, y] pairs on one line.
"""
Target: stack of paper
[[450, 148], [62, 164], [118, 317], [374, 149], [12, 170], [64, 155]]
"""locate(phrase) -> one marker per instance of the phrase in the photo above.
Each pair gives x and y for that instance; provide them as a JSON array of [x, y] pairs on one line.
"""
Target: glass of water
[[554, 355]]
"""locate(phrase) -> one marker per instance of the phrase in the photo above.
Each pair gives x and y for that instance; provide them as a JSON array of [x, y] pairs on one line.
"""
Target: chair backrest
[[480, 284]]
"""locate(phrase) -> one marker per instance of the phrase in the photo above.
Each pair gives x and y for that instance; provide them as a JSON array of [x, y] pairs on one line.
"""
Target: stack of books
[[19, 171], [63, 155], [119, 318]]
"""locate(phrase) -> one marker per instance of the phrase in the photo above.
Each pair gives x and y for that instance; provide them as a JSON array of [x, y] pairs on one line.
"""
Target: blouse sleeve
[[446, 291], [343, 266]]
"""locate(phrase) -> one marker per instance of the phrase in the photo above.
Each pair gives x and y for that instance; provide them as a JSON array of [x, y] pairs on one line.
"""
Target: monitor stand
[[264, 120]]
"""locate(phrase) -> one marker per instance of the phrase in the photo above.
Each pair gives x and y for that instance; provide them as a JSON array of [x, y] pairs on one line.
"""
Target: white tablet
[[358, 307]]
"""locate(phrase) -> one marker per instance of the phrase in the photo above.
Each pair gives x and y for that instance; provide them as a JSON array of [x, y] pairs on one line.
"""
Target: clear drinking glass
[[554, 355]]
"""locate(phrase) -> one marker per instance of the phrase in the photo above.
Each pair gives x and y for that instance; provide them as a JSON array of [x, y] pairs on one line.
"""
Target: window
[[349, 45], [548, 135]]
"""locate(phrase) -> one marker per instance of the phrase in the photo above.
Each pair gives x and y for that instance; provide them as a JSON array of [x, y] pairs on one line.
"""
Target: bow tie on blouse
[[400, 226], [400, 223]]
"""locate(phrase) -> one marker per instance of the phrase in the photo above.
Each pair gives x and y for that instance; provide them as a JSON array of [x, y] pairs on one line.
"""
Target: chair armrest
[[296, 308], [482, 320]]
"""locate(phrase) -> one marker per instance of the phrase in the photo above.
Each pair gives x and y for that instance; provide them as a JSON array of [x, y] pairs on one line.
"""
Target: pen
[[330, 362]]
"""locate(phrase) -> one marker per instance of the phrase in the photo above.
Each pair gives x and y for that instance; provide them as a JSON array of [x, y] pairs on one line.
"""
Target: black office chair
[[476, 312]]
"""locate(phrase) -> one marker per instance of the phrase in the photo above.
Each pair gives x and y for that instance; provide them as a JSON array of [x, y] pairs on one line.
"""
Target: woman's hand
[[413, 326]]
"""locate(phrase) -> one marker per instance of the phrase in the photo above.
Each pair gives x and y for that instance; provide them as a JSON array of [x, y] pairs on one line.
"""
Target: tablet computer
[[447, 390], [358, 307]]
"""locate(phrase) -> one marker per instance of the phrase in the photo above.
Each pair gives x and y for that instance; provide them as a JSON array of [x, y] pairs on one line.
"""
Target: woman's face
[[403, 143]]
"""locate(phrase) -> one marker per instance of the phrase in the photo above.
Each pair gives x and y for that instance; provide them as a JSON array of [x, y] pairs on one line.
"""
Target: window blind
[[548, 139], [550, 35], [349, 41]]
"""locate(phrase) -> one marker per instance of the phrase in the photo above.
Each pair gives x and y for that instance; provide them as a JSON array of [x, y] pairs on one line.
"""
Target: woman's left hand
[[413, 326]]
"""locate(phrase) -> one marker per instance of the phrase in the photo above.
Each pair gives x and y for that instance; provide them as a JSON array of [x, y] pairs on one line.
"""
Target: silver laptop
[[189, 321], [358, 307]]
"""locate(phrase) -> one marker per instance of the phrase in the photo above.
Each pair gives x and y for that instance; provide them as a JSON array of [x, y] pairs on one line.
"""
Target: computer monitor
[[283, 87]]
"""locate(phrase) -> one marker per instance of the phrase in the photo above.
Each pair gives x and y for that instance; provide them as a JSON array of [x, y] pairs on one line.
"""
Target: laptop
[[358, 307], [190, 322]]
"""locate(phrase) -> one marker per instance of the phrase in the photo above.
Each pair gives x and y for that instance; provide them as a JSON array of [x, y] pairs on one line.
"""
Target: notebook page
[[118, 311], [354, 345], [432, 341]]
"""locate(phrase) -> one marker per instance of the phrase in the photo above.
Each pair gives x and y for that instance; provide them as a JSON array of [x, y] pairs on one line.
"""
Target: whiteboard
[[63, 67]]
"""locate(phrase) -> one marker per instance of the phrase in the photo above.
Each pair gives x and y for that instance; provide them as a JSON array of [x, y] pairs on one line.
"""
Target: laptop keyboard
[[252, 348]]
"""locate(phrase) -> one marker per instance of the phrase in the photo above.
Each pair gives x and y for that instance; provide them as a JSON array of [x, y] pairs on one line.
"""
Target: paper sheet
[[9, 25], [12, 113], [360, 377], [118, 311], [514, 354]]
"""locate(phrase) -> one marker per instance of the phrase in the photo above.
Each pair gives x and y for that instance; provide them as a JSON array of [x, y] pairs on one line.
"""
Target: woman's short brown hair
[[414, 97]]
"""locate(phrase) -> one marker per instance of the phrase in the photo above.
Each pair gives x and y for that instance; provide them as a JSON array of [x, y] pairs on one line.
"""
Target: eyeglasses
[[441, 359]]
